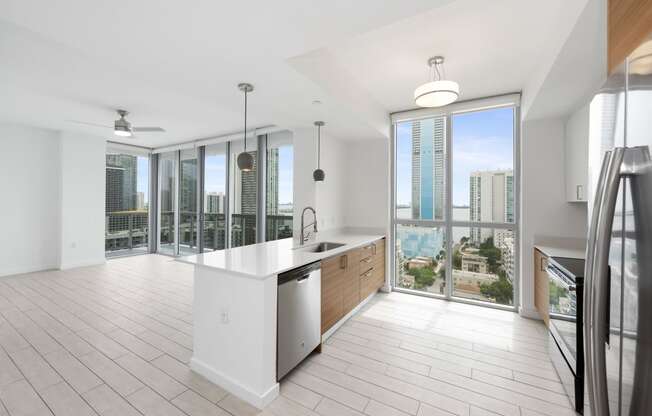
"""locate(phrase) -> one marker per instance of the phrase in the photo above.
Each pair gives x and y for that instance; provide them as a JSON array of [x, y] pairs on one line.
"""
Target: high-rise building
[[491, 199], [121, 177], [248, 186], [140, 201], [215, 203], [188, 186], [428, 162], [114, 181]]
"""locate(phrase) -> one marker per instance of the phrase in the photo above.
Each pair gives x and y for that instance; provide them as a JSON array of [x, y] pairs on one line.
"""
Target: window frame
[[448, 223]]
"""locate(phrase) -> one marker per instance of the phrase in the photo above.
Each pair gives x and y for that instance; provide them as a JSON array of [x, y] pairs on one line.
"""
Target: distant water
[[459, 214]]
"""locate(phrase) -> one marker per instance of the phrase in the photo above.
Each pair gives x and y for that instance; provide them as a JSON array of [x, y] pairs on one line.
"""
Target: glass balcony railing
[[126, 230], [278, 226]]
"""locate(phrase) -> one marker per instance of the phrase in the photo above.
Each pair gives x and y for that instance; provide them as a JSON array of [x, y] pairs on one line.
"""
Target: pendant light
[[245, 159], [318, 175], [438, 92]]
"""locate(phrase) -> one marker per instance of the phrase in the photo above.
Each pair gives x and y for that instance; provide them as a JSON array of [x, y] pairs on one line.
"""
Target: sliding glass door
[[167, 218], [188, 198], [455, 204]]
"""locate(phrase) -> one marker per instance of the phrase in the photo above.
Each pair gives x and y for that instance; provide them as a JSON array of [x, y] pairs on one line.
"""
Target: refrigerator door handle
[[596, 327], [640, 174], [588, 273]]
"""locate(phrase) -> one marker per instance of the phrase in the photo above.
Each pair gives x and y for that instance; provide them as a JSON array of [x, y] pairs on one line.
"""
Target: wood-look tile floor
[[116, 339]]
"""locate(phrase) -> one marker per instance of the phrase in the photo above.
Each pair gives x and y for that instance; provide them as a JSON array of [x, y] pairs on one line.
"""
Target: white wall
[[326, 197], [83, 185], [544, 210], [367, 184], [30, 208], [53, 206]]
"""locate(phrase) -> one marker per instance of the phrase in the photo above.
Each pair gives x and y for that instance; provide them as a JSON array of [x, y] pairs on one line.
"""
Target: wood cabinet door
[[541, 285], [332, 300], [351, 284]]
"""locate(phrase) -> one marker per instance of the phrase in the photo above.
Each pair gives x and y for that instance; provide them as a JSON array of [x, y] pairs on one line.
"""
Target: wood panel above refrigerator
[[629, 22]]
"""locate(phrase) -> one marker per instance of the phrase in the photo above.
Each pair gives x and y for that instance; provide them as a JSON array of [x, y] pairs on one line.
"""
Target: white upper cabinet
[[576, 155]]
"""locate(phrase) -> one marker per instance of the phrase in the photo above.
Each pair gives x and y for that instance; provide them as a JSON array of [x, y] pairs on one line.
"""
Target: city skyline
[[481, 141]]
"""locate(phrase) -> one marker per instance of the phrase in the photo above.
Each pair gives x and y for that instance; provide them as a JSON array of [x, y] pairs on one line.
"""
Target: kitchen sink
[[321, 247]]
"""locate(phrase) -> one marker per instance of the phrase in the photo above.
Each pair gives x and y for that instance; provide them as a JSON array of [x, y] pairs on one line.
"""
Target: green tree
[[492, 253], [501, 290], [457, 260], [423, 277]]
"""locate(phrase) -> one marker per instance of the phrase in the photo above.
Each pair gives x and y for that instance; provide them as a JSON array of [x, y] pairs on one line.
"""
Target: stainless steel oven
[[565, 306]]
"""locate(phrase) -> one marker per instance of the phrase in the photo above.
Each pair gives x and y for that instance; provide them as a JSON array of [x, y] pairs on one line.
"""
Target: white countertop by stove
[[551, 251], [263, 260]]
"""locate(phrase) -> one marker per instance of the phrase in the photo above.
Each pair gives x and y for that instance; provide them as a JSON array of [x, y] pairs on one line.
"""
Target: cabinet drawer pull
[[366, 260], [368, 272], [344, 261]]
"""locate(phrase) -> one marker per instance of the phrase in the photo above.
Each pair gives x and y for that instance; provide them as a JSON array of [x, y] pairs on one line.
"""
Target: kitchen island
[[235, 310]]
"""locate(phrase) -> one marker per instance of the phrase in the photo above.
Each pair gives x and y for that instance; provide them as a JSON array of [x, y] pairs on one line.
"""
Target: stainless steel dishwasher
[[299, 316]]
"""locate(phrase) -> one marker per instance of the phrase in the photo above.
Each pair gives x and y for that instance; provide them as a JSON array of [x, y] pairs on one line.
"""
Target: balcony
[[126, 232]]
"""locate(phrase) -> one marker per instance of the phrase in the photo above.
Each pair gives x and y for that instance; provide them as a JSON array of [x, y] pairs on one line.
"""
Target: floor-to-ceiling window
[[279, 196], [126, 202], [455, 201], [207, 203], [483, 192], [167, 185], [215, 197]]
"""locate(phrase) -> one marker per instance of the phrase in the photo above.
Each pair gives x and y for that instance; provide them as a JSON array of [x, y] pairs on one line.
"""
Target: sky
[[142, 181], [481, 140]]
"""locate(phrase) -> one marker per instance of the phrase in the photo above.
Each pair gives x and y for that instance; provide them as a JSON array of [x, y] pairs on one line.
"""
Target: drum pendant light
[[245, 159], [318, 175], [439, 91]]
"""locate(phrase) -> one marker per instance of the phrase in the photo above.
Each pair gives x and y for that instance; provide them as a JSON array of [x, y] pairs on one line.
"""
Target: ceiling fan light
[[436, 93], [122, 131]]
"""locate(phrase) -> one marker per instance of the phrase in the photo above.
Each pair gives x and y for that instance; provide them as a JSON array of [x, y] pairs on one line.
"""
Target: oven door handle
[[559, 280]]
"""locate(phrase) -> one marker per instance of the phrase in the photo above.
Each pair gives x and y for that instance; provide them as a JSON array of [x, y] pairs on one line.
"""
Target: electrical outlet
[[225, 316]]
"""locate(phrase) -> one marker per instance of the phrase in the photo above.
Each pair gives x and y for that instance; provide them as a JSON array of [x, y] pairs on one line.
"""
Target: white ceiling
[[178, 67]]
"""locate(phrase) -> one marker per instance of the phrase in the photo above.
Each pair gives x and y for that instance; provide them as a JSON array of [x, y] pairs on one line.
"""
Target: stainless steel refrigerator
[[618, 271]]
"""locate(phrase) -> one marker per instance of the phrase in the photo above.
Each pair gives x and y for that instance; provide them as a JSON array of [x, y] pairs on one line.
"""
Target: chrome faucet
[[305, 237]]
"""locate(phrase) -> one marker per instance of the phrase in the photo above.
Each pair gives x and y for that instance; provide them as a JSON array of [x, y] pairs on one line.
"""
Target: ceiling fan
[[122, 127]]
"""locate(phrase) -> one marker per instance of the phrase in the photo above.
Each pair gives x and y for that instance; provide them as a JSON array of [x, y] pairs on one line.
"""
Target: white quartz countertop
[[570, 252], [263, 260]]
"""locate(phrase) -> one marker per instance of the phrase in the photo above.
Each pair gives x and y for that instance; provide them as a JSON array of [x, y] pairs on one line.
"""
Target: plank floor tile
[[116, 339]]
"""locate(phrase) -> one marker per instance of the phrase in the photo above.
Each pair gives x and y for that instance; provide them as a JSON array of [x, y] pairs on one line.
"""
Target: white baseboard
[[341, 322], [85, 263], [27, 269], [529, 313], [242, 392]]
